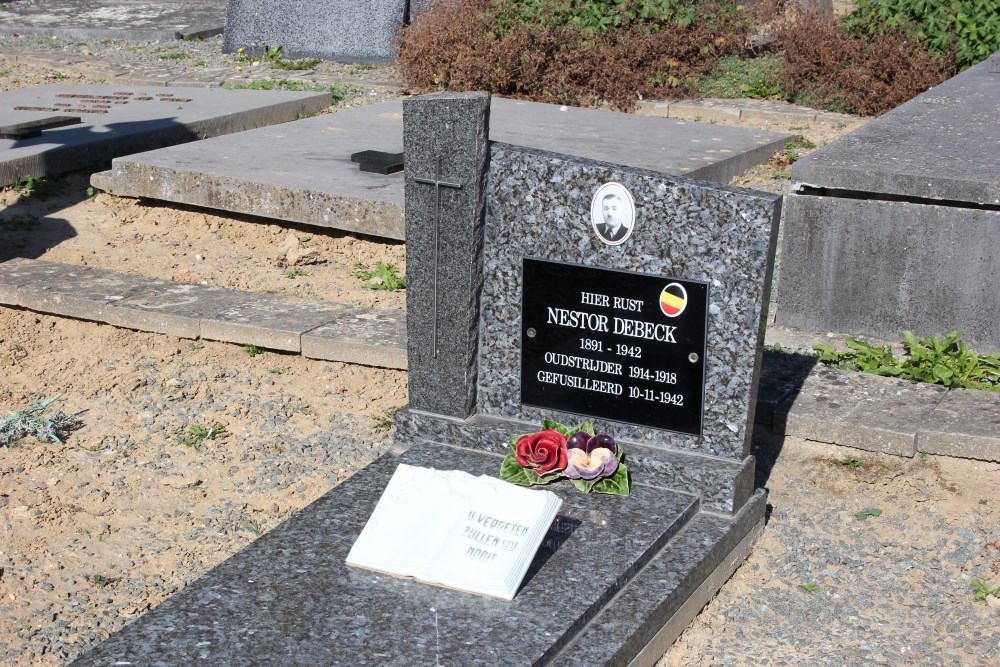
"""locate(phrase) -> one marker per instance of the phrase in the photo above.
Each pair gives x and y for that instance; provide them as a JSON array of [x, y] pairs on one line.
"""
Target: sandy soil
[[104, 526]]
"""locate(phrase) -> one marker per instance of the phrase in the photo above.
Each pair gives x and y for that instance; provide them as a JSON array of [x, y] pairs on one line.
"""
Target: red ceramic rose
[[542, 452]]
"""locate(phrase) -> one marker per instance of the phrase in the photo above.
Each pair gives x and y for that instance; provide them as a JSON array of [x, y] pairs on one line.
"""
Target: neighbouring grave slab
[[351, 31], [120, 120], [319, 185], [479, 217], [331, 331], [114, 19], [893, 226], [859, 410], [942, 145]]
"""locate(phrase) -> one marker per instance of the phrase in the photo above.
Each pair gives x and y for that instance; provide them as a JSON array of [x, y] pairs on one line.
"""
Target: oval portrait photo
[[612, 213]]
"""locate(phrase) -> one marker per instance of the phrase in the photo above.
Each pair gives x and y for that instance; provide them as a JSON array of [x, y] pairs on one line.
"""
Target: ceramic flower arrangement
[[591, 461]]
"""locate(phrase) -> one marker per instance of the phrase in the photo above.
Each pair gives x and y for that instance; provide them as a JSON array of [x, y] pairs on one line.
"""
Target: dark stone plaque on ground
[[614, 344]]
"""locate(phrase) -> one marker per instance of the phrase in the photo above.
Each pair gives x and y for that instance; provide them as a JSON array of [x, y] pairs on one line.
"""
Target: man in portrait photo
[[613, 228]]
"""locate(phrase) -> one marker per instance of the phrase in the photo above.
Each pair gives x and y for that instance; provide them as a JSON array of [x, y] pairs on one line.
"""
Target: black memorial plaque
[[614, 344]]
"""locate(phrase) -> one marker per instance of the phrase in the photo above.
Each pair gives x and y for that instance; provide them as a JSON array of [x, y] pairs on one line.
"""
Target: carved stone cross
[[438, 184]]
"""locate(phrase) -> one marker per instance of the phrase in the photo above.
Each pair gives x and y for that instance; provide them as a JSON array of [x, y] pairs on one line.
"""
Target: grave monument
[[526, 302], [351, 31], [894, 226]]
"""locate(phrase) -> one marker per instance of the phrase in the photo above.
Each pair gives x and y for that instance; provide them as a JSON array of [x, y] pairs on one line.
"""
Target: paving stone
[[361, 336], [120, 120], [264, 320], [965, 423], [858, 410], [319, 185], [151, 20]]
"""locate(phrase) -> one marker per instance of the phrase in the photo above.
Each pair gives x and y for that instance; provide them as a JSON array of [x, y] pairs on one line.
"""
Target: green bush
[[969, 29]]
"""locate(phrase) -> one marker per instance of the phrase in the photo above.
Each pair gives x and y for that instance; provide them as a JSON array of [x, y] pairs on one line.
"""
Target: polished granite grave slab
[[318, 184], [121, 120], [289, 598]]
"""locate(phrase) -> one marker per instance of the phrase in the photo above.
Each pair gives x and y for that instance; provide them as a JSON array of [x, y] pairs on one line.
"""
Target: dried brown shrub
[[825, 67], [462, 45]]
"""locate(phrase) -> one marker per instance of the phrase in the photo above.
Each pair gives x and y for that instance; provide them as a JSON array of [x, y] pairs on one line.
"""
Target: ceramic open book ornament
[[591, 461]]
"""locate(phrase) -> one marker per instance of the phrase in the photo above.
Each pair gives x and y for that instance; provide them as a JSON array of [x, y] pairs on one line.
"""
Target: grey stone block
[[858, 410], [360, 336], [445, 141], [878, 268], [121, 120], [943, 144], [319, 185], [351, 31], [722, 485], [965, 423]]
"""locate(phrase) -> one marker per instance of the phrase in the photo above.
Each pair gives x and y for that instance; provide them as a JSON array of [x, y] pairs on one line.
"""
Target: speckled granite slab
[[349, 31], [539, 206], [289, 599]]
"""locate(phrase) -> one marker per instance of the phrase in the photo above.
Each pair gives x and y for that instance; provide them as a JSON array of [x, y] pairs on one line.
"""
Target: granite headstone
[[351, 31]]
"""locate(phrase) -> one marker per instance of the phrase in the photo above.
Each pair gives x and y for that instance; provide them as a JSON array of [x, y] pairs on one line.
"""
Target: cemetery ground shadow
[[785, 374], [27, 231]]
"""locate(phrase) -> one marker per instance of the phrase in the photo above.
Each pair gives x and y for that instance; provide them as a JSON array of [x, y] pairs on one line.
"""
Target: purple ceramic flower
[[590, 457]]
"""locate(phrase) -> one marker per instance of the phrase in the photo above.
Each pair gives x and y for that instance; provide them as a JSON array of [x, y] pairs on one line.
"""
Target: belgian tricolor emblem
[[673, 300]]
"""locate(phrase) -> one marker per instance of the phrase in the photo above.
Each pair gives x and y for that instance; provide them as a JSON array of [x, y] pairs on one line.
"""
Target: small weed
[[31, 422], [280, 84], [305, 63], [100, 581], [864, 514], [383, 276], [278, 371], [199, 63], [198, 434], [174, 55], [91, 192], [4, 72], [26, 184], [194, 347], [779, 174], [809, 588], [253, 526], [981, 590], [295, 273], [922, 456], [983, 501], [358, 69], [852, 462], [60, 76], [385, 421], [252, 350]]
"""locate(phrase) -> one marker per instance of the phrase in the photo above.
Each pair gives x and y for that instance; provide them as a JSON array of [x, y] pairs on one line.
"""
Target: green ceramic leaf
[[555, 426], [511, 471], [616, 485]]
